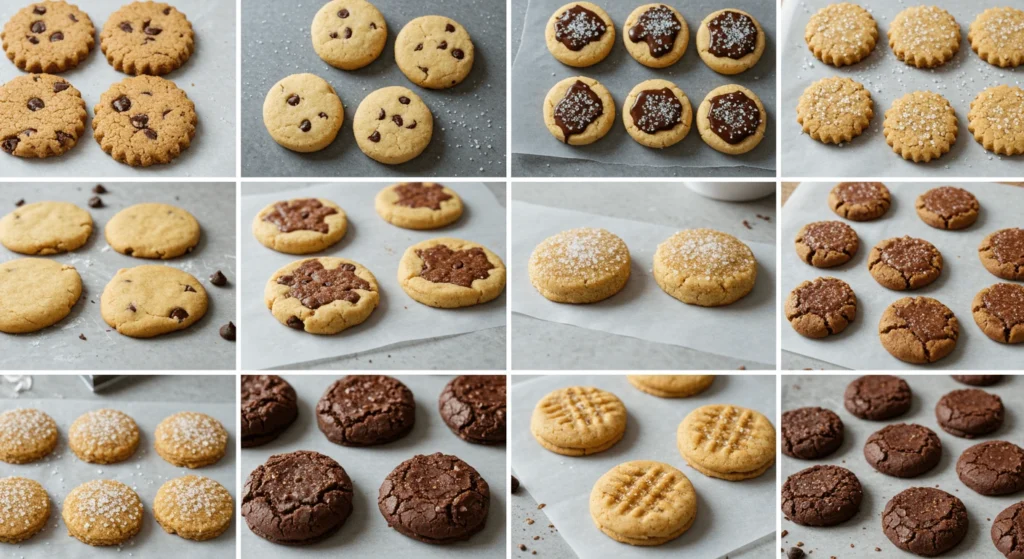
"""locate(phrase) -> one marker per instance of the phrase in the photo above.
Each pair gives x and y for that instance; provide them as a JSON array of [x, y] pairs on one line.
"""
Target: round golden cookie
[[841, 34], [300, 226], [671, 386], [947, 207], [997, 35], [924, 36], [24, 509], [48, 36], [322, 295], [918, 330], [435, 52], [418, 205], [731, 119], [303, 113], [191, 439], [580, 34], [152, 231], [393, 125], [1002, 253], [579, 111], [656, 35], [349, 34], [999, 312], [45, 228], [657, 114], [921, 126], [193, 507], [904, 263], [727, 442], [730, 41], [996, 119], [151, 300], [578, 421], [582, 265], [643, 503], [26, 435], [103, 512], [860, 201], [705, 267], [826, 244], [835, 110], [449, 273], [36, 293], [104, 436]]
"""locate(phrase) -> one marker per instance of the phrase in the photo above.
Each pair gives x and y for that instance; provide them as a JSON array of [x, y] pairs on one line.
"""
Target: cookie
[[671, 386], [193, 507], [36, 293], [349, 34], [45, 228], [191, 440], [904, 263], [44, 116], [656, 35], [821, 496], [393, 125], [580, 34], [903, 450], [322, 295], [412, 507], [996, 117], [578, 421], [579, 111], [835, 110], [1007, 531], [473, 407], [992, 468], [24, 509], [918, 330], [48, 36], [147, 38], [269, 407], [877, 397], [103, 512], [657, 114], [730, 41], [300, 225], [303, 113], [26, 435], [827, 244], [996, 36], [103, 436], [727, 442], [418, 205], [583, 265], [841, 34], [643, 502], [149, 301], [366, 410], [970, 413], [811, 433], [999, 312], [925, 521], [449, 273], [434, 52], [152, 231], [705, 267], [144, 121], [821, 308], [732, 120], [299, 498], [859, 201], [1002, 253], [947, 207], [920, 126], [924, 36], [977, 380]]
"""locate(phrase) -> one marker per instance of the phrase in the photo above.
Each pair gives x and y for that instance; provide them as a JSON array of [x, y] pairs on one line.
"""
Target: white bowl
[[733, 191]]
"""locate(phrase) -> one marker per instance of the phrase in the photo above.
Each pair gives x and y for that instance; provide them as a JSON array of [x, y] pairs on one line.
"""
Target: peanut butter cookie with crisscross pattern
[[727, 442], [578, 421], [643, 503]]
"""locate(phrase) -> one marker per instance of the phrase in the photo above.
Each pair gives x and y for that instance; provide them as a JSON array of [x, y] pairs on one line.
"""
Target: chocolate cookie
[[821, 308], [925, 521], [269, 406], [903, 263], [992, 468], [969, 413], [821, 496], [824, 244], [977, 380], [473, 407], [999, 312], [811, 433], [860, 201], [366, 410], [297, 499], [435, 499], [1008, 531], [1002, 253], [877, 397], [903, 450], [947, 207], [918, 330]]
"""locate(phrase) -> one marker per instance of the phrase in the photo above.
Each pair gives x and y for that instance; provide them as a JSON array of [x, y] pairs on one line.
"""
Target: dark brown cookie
[[1008, 531], [824, 244], [877, 397], [903, 263], [977, 380], [969, 413], [297, 499], [366, 410], [821, 496], [860, 201], [811, 433], [925, 521], [821, 308], [903, 450], [473, 407], [435, 499], [992, 468], [918, 330], [947, 207], [269, 406]]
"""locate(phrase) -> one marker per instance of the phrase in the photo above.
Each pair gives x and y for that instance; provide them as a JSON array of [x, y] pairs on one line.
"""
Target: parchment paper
[[730, 515], [535, 71], [198, 347], [366, 533], [208, 78], [642, 310], [887, 79], [379, 246], [864, 530], [962, 277]]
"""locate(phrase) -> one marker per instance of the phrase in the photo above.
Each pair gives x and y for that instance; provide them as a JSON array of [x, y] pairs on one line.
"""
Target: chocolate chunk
[[95, 202], [732, 35], [449, 28], [152, 31], [375, 137], [32, 40], [20, 203], [293, 99], [419, 47], [441, 264], [269, 406], [578, 109], [218, 279], [443, 45], [396, 119], [126, 27], [129, 251], [38, 27], [734, 117], [29, 131], [228, 331], [348, 33], [458, 54], [381, 115], [334, 34], [131, 307], [60, 86], [39, 10], [73, 18], [306, 214], [179, 313], [296, 323], [577, 27], [411, 126], [315, 286], [366, 410], [63, 137], [658, 27], [404, 100], [795, 553], [167, 11], [82, 337], [322, 115], [420, 195], [121, 104], [58, 36], [305, 126], [35, 103], [515, 484], [140, 121], [10, 144], [373, 25], [99, 189], [343, 13], [150, 133]]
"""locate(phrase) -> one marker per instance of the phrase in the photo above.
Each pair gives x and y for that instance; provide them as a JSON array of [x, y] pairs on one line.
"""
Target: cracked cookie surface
[[366, 410], [821, 496], [978, 380], [825, 244], [144, 121], [269, 406], [303, 113], [821, 308], [451, 273], [582, 265], [947, 207], [969, 412], [1008, 531], [44, 228], [147, 38], [918, 330], [925, 521], [877, 397], [300, 225], [148, 301], [705, 267], [36, 293], [1002, 253], [473, 407], [859, 201], [903, 450], [349, 34], [152, 231], [811, 433], [904, 263], [323, 295], [44, 116], [435, 52], [393, 125], [48, 36], [999, 312], [992, 468]]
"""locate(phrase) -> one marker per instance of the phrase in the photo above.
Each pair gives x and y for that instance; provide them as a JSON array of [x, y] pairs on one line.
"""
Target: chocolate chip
[[396, 119], [99, 189], [404, 100], [9, 144], [63, 137], [515, 484], [140, 121], [411, 126], [39, 10], [458, 54], [82, 337], [419, 47], [347, 267], [322, 115], [73, 18], [426, 71], [293, 99], [219, 279], [306, 126], [179, 313], [373, 25], [167, 11], [95, 202], [131, 307], [189, 288], [58, 36], [35, 103], [348, 32], [296, 322], [449, 28], [38, 27], [334, 34], [795, 553], [165, 113], [150, 133], [20, 203], [147, 93], [343, 13], [126, 27], [149, 40], [152, 30], [129, 251], [121, 104], [33, 40], [442, 45], [228, 331], [381, 115], [60, 86], [375, 137]]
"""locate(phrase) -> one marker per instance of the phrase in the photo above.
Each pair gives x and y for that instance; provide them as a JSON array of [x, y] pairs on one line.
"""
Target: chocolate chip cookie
[[992, 468], [1008, 531], [148, 301], [144, 121], [925, 521], [821, 308], [43, 116], [300, 225], [473, 407], [435, 52], [877, 397], [36, 293], [147, 38], [48, 36], [904, 263], [947, 207], [999, 312], [303, 113], [969, 412], [860, 201], [918, 330], [349, 34], [821, 496], [323, 295], [811, 433], [977, 380], [449, 273], [903, 450], [393, 125], [826, 244], [366, 410], [269, 406], [44, 228], [1002, 253]]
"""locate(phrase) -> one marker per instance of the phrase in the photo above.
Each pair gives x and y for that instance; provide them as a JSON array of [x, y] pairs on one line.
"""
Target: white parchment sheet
[[62, 471], [730, 515], [379, 246], [962, 277], [864, 531], [642, 310], [887, 79], [366, 533], [535, 72]]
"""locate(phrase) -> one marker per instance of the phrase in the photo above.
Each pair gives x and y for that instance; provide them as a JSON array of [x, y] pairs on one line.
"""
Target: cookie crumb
[[540, 506], [799, 544], [99, 189], [529, 521], [795, 553], [82, 337], [535, 538], [522, 547], [19, 203], [785, 533], [95, 202], [878, 549], [742, 368], [747, 224]]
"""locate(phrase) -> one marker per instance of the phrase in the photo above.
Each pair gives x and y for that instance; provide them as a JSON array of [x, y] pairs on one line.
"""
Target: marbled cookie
[[997, 35], [349, 34], [999, 312], [43, 116], [435, 52], [303, 113], [921, 126], [732, 120], [322, 295], [393, 125], [841, 34], [1002, 253], [450, 273], [147, 38], [924, 36], [834, 110], [48, 36], [996, 119], [580, 34], [144, 121], [579, 111]]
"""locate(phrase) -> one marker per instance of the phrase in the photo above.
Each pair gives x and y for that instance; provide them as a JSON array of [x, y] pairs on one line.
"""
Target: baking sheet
[[379, 246], [198, 347], [469, 119], [564, 483], [208, 78], [642, 310], [887, 79], [961, 279], [535, 71], [366, 533]]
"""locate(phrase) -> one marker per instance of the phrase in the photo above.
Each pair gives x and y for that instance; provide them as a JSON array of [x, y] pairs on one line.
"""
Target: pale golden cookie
[[451, 273], [672, 386], [705, 267], [996, 119], [349, 34], [103, 512], [435, 52], [924, 36], [918, 330], [45, 228], [921, 126], [322, 295], [730, 41], [193, 507], [657, 114], [835, 110], [997, 35], [656, 35], [841, 34], [152, 231], [148, 301], [303, 113], [643, 503], [104, 437], [24, 509], [580, 34], [145, 120], [191, 439], [578, 421], [579, 111], [26, 435], [393, 125], [48, 36], [727, 442], [36, 293], [582, 265], [418, 205], [300, 226], [732, 120], [999, 312]]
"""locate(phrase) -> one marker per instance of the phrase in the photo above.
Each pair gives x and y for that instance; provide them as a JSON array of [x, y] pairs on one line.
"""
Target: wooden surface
[[789, 187]]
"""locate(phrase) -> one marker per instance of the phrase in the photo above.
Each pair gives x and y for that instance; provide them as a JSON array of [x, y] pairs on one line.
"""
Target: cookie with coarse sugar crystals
[[705, 267], [103, 512], [996, 119], [191, 440], [921, 126], [924, 36], [104, 437], [26, 435], [583, 265], [997, 35], [835, 110], [580, 34], [841, 34], [579, 111]]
